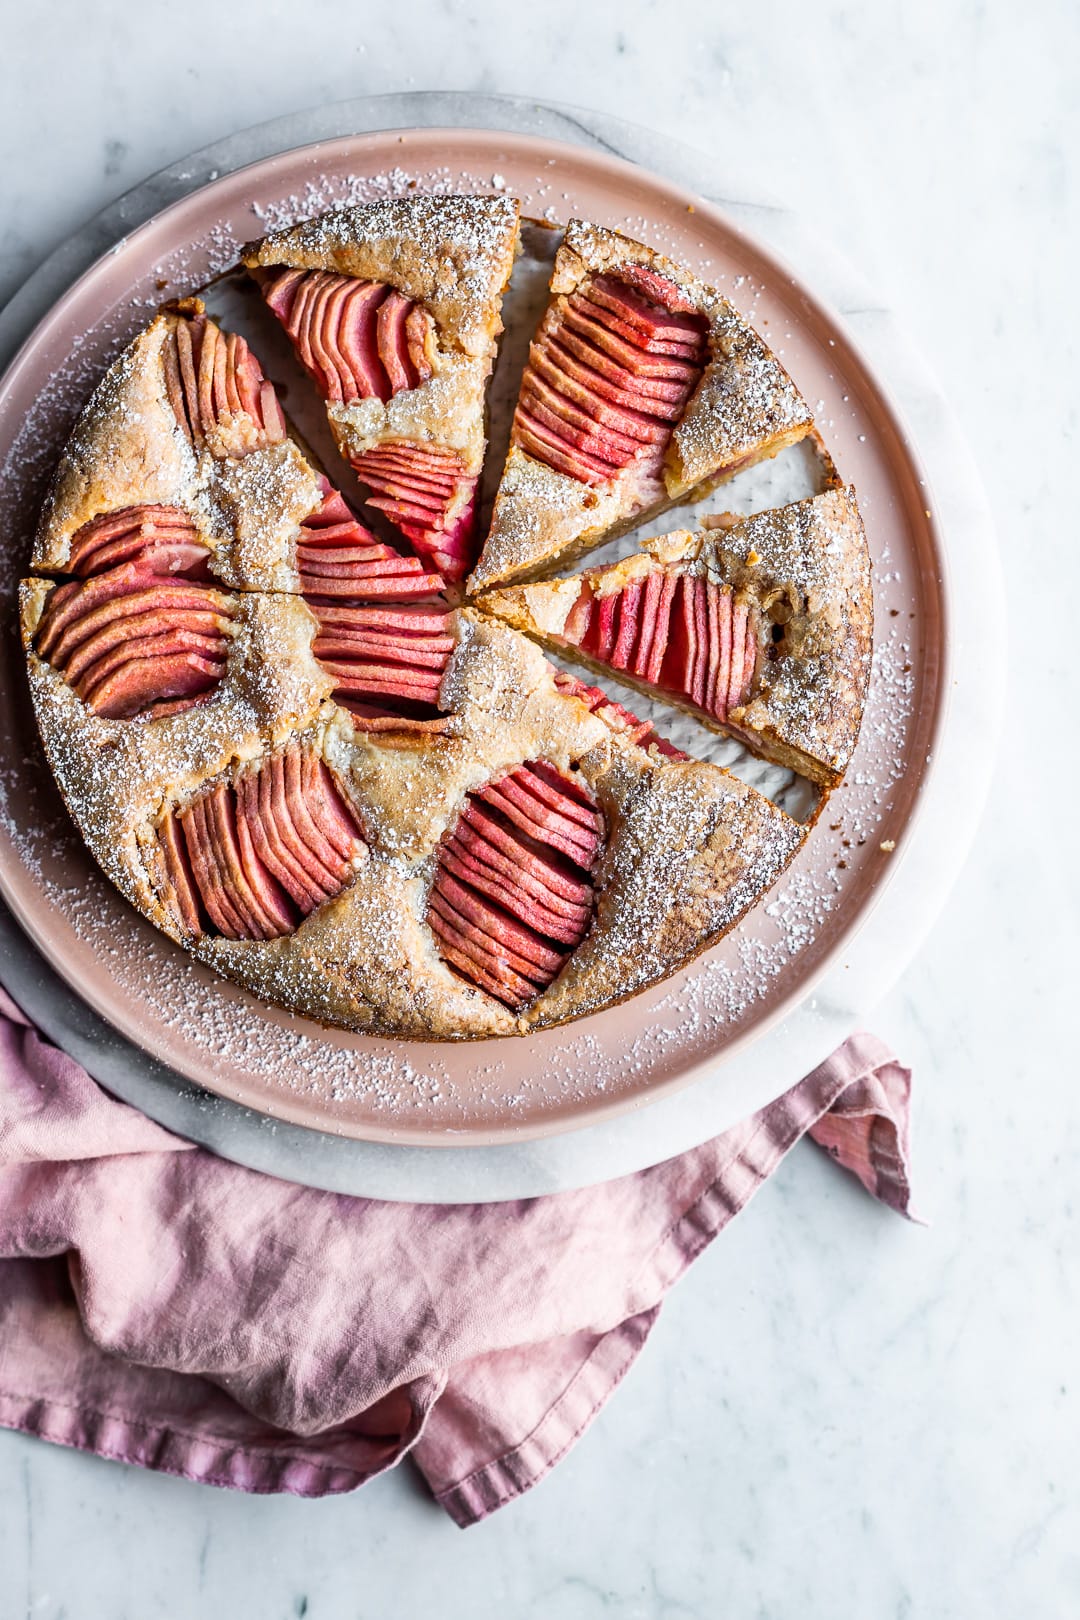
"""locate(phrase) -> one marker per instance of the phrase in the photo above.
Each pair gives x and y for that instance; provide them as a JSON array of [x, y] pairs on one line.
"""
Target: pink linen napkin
[[164, 1307]]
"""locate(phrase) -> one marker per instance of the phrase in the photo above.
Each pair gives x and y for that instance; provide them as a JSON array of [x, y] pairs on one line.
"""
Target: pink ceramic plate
[[429, 1094]]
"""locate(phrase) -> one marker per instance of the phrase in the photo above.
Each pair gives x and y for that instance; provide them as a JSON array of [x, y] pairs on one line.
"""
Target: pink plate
[[436, 1094]]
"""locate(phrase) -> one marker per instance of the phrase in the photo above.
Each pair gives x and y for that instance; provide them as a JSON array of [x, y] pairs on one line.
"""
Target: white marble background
[[837, 1415]]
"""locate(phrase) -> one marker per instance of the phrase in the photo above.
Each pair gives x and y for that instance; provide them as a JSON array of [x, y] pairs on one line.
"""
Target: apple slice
[[641, 732], [392, 342], [389, 660], [300, 827], [75, 612], [611, 371], [227, 873], [212, 379], [558, 925], [512, 893]]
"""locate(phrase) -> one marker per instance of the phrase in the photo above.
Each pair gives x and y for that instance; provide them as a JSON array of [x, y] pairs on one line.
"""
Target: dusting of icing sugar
[[27, 467], [217, 251], [700, 1008], [717, 998]]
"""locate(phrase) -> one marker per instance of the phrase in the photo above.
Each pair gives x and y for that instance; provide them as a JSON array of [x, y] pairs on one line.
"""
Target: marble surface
[[836, 1414]]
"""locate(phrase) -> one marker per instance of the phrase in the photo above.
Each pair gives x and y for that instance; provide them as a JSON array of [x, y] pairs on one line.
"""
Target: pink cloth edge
[[202, 1459], [492, 1485], [215, 1460]]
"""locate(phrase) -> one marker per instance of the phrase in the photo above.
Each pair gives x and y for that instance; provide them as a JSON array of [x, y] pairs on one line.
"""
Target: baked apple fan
[[513, 893], [393, 310], [139, 631], [250, 857], [645, 387]]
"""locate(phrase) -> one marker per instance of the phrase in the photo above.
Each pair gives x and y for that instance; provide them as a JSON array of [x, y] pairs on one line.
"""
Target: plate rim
[[281, 1106]]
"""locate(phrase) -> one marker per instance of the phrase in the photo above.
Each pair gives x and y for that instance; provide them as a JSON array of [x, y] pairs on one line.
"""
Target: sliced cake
[[644, 387], [761, 627], [534, 862], [294, 756], [393, 310]]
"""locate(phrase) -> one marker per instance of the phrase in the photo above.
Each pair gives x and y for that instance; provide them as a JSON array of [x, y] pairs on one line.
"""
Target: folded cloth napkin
[[164, 1307]]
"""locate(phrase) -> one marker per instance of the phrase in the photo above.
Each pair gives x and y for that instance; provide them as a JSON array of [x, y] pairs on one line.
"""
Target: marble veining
[[836, 1414]]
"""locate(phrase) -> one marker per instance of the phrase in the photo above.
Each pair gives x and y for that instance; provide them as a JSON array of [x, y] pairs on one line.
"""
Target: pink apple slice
[[179, 875], [358, 340], [331, 808], [254, 794], [392, 341]]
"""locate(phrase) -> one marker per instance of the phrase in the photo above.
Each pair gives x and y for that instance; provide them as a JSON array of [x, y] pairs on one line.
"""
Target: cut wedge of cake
[[761, 627], [393, 309], [645, 387]]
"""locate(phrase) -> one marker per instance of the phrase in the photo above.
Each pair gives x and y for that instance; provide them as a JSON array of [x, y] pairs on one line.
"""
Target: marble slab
[[836, 1415]]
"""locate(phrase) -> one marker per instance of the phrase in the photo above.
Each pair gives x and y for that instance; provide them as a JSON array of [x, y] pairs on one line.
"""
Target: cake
[[297, 750], [761, 627], [645, 387], [393, 310]]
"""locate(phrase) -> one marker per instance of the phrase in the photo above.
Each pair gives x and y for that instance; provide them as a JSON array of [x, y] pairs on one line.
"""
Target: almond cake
[[335, 763]]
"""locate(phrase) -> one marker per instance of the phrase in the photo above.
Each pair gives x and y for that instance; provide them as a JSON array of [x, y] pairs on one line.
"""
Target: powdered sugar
[[209, 1020]]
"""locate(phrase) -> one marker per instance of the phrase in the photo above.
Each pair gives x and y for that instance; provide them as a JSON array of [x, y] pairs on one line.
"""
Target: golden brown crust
[[745, 409], [453, 254], [807, 567]]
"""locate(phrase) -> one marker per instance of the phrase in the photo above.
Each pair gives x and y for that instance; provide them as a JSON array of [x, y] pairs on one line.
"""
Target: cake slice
[[645, 387], [761, 627], [393, 309]]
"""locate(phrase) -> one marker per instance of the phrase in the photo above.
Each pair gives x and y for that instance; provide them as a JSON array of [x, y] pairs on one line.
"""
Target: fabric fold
[[166, 1308]]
